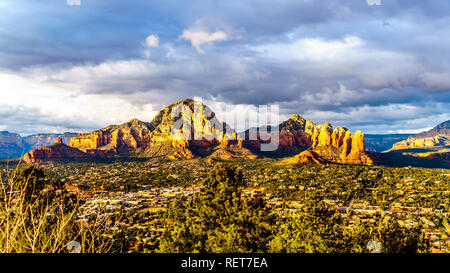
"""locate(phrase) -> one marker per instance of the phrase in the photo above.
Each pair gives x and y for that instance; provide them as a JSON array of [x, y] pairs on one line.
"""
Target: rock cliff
[[55, 152], [413, 142], [191, 128], [181, 130], [305, 157], [11, 145], [187, 129], [298, 134], [438, 136], [131, 136]]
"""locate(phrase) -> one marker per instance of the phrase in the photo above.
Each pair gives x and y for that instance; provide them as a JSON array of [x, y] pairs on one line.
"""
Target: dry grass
[[46, 222]]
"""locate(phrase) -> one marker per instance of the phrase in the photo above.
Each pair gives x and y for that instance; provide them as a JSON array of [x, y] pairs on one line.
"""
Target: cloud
[[373, 2], [201, 33], [152, 41], [354, 62], [343, 61], [439, 81], [39, 36], [389, 118], [88, 96], [308, 75], [311, 49], [199, 37], [32, 105]]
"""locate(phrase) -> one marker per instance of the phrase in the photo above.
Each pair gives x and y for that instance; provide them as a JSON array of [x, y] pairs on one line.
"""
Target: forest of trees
[[220, 219], [217, 219]]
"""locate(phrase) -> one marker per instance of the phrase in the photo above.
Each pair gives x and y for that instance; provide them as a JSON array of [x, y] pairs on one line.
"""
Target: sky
[[380, 66]]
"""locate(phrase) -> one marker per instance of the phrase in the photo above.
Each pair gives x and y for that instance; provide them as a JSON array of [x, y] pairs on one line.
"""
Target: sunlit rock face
[[193, 125], [439, 140], [55, 152], [438, 136], [298, 134], [306, 157], [188, 129], [322, 135], [338, 136], [357, 153], [181, 130], [134, 134], [296, 131]]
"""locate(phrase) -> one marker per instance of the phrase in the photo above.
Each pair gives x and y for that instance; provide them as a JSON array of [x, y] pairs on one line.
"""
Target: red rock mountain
[[130, 136], [55, 152], [305, 157], [187, 129], [438, 136], [298, 134], [197, 132]]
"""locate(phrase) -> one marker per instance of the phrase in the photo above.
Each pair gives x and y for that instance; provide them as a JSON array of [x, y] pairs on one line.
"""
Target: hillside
[[426, 149], [156, 139], [130, 136], [438, 136], [57, 152], [305, 157], [380, 143], [298, 134]]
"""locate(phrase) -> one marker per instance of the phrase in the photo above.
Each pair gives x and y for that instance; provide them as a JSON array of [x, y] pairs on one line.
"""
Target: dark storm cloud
[[49, 32], [46, 32]]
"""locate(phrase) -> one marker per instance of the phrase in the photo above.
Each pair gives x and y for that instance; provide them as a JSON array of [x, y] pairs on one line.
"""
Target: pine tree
[[219, 219]]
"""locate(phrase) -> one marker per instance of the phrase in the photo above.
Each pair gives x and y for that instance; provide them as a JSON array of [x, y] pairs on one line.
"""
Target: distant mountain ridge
[[382, 142], [441, 129], [438, 136], [196, 132], [41, 140], [426, 149], [12, 145]]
